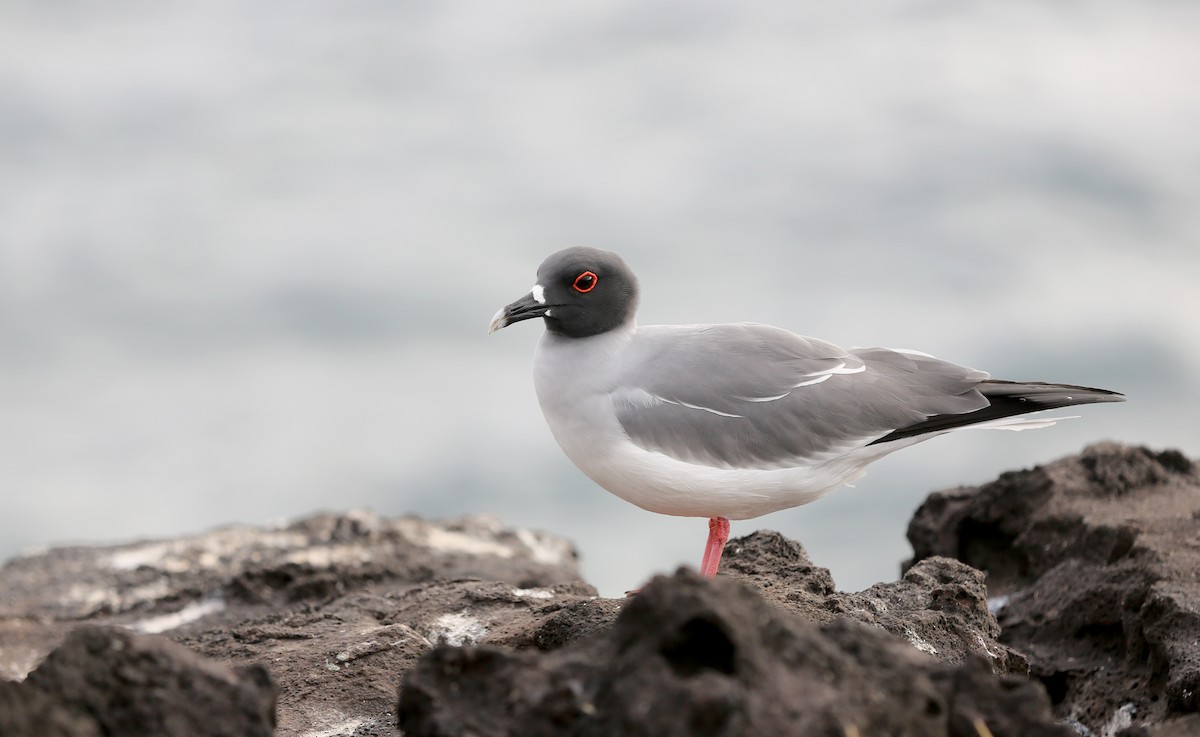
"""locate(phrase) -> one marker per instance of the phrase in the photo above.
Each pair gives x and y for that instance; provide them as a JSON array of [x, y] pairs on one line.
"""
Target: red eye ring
[[585, 282]]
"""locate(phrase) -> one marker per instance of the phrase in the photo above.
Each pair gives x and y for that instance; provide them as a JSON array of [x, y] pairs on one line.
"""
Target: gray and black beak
[[525, 308]]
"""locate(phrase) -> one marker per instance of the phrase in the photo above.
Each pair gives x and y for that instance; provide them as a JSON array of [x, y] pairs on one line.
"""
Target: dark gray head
[[579, 291]]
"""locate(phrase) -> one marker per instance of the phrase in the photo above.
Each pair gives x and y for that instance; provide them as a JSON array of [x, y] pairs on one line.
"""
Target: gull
[[737, 420]]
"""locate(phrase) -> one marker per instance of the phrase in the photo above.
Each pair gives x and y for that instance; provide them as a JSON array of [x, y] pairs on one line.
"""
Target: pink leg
[[718, 533]]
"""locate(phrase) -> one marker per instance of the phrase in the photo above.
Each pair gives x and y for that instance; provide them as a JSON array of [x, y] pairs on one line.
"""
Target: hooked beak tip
[[498, 321], [525, 308]]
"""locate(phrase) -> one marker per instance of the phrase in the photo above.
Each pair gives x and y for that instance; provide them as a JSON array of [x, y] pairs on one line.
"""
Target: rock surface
[[107, 680], [1095, 553], [691, 658], [336, 607], [939, 607], [1094, 561]]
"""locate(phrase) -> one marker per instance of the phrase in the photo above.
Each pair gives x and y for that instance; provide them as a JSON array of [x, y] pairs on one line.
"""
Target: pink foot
[[718, 533]]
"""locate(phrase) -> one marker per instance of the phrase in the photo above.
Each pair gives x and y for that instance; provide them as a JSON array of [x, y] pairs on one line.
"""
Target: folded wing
[[755, 396]]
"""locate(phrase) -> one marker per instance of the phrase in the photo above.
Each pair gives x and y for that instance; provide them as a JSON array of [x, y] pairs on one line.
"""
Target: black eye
[[585, 282]]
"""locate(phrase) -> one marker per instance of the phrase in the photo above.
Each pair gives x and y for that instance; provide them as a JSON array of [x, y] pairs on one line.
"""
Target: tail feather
[[1008, 399]]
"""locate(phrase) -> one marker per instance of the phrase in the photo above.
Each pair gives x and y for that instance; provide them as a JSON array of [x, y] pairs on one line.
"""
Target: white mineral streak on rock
[[918, 643], [533, 593], [190, 613], [332, 723], [457, 629]]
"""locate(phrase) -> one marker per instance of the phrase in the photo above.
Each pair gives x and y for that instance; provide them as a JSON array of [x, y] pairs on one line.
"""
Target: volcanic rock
[[939, 607], [1094, 561], [1091, 562], [336, 607], [694, 657], [107, 680]]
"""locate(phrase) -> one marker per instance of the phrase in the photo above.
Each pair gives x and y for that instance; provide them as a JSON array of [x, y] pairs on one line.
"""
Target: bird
[[737, 420]]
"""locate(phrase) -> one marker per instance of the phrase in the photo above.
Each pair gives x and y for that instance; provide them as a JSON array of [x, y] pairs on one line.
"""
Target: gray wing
[[755, 396]]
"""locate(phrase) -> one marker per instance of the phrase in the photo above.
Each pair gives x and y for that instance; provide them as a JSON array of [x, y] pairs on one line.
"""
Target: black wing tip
[[1008, 399], [1032, 390]]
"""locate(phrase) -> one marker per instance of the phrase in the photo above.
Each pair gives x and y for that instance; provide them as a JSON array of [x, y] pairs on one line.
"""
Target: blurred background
[[249, 251]]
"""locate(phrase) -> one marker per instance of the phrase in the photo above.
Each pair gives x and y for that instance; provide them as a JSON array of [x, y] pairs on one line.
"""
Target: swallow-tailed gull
[[734, 421]]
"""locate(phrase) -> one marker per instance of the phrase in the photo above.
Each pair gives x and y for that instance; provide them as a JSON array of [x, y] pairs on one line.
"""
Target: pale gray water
[[248, 251]]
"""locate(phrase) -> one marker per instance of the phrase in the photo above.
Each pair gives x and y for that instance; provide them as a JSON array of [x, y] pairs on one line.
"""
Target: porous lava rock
[[27, 712], [1091, 562], [109, 681], [338, 662], [1094, 563], [335, 606], [939, 606], [694, 657]]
